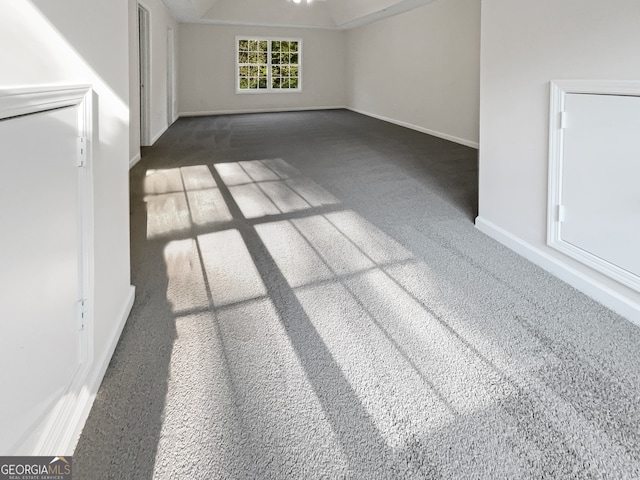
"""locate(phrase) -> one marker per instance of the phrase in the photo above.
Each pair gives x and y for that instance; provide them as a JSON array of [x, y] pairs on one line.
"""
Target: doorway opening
[[143, 73], [171, 78]]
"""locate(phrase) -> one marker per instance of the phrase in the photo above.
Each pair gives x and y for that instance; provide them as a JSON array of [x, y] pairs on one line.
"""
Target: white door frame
[[60, 430], [144, 77], [171, 77]]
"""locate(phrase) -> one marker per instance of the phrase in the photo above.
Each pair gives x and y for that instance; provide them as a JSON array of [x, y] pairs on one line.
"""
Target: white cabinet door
[[40, 277], [601, 178]]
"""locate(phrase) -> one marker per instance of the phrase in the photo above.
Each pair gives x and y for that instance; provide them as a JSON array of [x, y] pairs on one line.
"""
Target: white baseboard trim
[[94, 378], [134, 160], [445, 136], [257, 110], [587, 285], [158, 135]]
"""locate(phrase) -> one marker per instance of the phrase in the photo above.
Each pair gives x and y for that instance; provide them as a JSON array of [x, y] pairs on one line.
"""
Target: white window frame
[[269, 88]]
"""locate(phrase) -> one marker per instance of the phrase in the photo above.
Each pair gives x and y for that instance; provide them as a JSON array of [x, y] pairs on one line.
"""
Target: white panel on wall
[[70, 43], [42, 274], [594, 206], [523, 46]]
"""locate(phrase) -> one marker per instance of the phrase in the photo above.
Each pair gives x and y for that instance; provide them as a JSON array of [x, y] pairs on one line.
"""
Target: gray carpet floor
[[313, 301]]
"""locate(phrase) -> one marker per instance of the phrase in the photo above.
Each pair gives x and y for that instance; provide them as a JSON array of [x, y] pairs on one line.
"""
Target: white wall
[[347, 11], [160, 20], [206, 81], [420, 69], [524, 46], [85, 42]]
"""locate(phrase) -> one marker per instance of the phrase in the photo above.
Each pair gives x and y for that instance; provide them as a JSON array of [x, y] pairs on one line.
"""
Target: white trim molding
[[52, 435], [389, 11], [559, 90], [444, 136], [269, 66], [85, 400], [158, 135], [601, 293], [134, 161], [23, 101], [145, 67], [258, 110], [434, 133]]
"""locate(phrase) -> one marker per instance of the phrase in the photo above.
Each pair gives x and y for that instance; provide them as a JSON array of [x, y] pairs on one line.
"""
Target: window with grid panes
[[268, 65]]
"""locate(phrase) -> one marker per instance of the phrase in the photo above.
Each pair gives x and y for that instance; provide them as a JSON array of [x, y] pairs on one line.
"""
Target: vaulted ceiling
[[340, 14]]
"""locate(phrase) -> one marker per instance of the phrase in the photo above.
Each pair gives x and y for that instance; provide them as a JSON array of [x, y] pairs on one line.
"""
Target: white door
[[171, 74], [40, 271], [144, 66], [601, 178]]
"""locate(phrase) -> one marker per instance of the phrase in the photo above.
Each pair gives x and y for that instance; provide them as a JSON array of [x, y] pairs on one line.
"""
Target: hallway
[[314, 301]]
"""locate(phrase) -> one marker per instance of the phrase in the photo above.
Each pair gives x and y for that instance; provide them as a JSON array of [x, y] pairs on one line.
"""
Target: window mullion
[[249, 71], [269, 65]]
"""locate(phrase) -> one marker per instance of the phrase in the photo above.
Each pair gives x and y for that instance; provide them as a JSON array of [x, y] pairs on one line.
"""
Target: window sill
[[267, 91]]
